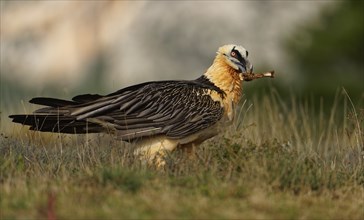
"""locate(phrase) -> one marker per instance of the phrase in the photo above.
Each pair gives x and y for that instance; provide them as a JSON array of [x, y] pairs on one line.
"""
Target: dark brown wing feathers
[[173, 108]]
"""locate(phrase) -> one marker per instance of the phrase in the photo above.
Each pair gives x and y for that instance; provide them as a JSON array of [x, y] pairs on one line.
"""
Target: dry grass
[[278, 160]]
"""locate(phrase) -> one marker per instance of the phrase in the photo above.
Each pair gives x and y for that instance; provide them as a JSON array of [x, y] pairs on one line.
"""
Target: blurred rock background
[[64, 48]]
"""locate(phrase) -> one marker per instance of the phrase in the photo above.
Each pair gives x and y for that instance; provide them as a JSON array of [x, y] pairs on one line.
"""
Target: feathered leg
[[154, 150]]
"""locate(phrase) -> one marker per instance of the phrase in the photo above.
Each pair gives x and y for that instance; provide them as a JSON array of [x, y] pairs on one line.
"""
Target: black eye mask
[[238, 56]]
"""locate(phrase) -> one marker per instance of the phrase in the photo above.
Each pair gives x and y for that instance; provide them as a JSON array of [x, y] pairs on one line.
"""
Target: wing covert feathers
[[175, 109]]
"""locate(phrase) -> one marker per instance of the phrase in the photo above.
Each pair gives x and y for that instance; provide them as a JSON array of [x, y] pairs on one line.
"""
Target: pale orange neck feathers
[[225, 77]]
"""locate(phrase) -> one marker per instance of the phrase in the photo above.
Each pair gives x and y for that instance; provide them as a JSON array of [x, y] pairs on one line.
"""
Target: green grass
[[279, 160]]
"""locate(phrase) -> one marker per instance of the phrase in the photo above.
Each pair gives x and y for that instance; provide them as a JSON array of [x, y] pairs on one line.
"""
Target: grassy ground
[[278, 160]]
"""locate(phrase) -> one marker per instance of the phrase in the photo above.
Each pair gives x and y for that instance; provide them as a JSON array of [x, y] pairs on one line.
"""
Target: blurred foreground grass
[[279, 160]]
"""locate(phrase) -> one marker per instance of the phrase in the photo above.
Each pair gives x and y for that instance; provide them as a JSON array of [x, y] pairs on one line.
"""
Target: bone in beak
[[252, 76]]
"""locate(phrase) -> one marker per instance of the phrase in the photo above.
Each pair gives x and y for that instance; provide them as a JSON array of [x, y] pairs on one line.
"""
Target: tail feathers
[[57, 123], [53, 111], [55, 117], [86, 98], [52, 102]]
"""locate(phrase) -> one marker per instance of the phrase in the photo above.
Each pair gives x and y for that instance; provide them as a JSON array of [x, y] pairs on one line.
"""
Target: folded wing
[[172, 108]]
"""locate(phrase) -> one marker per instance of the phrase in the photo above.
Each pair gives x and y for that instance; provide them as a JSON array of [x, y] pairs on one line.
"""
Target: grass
[[279, 160]]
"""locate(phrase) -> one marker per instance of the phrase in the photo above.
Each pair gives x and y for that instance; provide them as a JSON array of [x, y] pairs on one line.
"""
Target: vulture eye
[[233, 54]]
